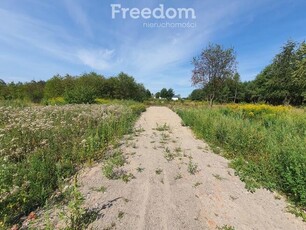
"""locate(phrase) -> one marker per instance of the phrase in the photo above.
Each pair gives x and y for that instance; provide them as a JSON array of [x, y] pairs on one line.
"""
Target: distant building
[[176, 97]]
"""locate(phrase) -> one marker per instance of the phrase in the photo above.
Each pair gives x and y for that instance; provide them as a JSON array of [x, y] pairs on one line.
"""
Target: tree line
[[281, 82], [76, 89], [165, 94]]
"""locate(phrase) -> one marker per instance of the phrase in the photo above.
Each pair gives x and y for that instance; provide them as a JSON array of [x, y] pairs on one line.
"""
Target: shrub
[[80, 95]]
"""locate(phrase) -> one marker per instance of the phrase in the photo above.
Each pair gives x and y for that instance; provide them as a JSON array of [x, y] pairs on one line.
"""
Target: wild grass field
[[267, 143], [42, 146]]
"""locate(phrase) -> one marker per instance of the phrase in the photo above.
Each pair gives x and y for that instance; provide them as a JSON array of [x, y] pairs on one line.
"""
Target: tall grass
[[267, 144], [42, 146]]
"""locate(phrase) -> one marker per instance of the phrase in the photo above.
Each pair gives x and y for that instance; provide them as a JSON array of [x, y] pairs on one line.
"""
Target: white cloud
[[97, 59]]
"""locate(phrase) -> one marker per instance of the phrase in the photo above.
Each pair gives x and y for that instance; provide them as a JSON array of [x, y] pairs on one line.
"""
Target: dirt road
[[179, 184]]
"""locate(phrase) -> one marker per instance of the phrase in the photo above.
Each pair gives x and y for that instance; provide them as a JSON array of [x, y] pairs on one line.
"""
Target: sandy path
[[166, 196]]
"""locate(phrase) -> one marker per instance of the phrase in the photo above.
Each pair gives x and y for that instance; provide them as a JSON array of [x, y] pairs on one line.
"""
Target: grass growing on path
[[267, 144]]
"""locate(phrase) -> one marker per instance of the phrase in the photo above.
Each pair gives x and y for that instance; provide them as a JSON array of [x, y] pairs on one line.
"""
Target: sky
[[39, 39]]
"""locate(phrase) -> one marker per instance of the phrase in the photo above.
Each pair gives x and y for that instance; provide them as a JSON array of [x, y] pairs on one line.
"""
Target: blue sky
[[39, 39]]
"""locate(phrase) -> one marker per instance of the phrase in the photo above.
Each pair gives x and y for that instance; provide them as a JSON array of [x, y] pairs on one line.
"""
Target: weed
[[78, 217], [162, 128], [298, 212], [169, 155], [197, 184], [178, 176], [43, 146], [233, 198], [266, 144], [120, 215], [139, 169], [127, 177], [100, 189], [165, 136], [158, 171], [192, 167], [218, 177], [226, 227], [112, 164], [178, 150]]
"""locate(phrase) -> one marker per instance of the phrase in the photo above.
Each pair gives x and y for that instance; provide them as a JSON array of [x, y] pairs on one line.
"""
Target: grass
[[197, 184], [226, 227], [192, 167], [162, 128], [169, 156], [267, 144], [40, 147], [112, 164], [100, 189], [120, 215], [178, 176]]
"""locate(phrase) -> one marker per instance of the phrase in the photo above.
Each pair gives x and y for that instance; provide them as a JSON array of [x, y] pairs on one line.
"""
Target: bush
[[80, 95]]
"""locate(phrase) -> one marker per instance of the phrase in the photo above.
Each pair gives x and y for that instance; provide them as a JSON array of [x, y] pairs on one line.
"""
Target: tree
[[34, 91], [54, 87], [170, 94], [214, 65], [280, 83], [157, 95], [197, 95], [2, 89], [299, 75], [164, 93]]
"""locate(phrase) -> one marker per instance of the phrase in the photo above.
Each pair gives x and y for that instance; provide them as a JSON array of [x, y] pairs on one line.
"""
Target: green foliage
[[56, 101], [42, 146], [197, 95], [80, 95], [192, 167], [111, 165], [165, 94], [212, 68], [281, 82], [268, 144], [76, 89]]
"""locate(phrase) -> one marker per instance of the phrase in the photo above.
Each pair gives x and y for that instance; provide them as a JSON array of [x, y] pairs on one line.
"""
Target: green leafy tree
[[80, 94], [197, 95], [212, 67], [157, 95], [299, 75], [164, 93], [54, 87], [170, 94], [34, 91], [2, 89]]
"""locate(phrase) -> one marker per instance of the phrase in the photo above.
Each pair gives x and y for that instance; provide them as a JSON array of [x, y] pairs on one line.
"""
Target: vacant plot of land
[[170, 180]]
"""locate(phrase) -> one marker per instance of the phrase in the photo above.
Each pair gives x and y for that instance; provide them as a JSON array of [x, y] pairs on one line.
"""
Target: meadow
[[43, 146], [267, 144]]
